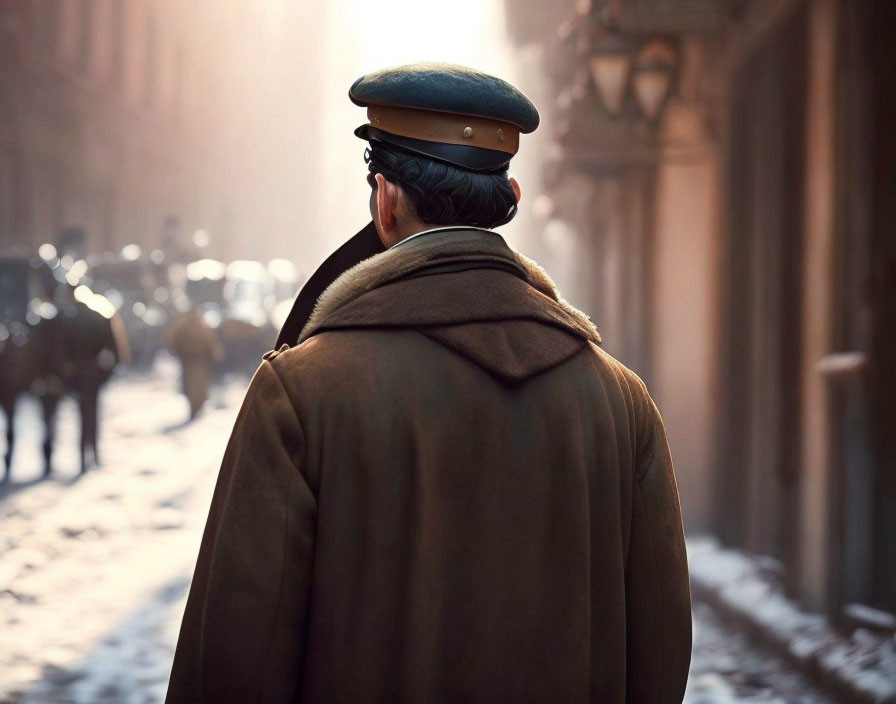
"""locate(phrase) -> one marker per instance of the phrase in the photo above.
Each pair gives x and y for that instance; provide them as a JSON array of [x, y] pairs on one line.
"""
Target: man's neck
[[426, 229], [405, 228]]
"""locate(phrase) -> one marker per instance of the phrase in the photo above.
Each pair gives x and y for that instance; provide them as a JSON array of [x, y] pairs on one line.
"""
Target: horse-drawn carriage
[[55, 338]]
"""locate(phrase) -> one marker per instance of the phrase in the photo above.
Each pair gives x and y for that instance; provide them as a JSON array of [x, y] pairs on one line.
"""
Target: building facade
[[120, 115], [737, 250]]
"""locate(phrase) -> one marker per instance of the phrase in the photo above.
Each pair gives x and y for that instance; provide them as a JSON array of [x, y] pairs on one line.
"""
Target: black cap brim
[[466, 157]]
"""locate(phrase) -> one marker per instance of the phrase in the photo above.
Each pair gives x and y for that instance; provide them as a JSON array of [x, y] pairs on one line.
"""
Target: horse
[[80, 347], [72, 348]]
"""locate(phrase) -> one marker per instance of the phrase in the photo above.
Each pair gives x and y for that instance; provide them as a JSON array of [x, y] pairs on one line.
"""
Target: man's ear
[[386, 202], [515, 185]]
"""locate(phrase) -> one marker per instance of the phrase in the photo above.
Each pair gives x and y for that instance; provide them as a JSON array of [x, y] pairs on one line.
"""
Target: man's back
[[447, 492]]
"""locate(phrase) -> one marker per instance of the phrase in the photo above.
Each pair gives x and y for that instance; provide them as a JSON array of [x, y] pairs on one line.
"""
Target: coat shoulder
[[621, 373], [640, 407], [332, 359]]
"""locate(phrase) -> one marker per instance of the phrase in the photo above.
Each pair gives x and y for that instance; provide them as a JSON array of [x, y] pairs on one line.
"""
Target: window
[[134, 50], [69, 49], [45, 16], [151, 61], [102, 36]]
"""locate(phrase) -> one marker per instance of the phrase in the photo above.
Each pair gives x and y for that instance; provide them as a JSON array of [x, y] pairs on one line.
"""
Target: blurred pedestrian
[[78, 341], [197, 347], [446, 491], [16, 375], [17, 363]]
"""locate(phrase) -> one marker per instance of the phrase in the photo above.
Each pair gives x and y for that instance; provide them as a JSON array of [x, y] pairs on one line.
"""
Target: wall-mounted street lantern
[[620, 64], [610, 61], [652, 77]]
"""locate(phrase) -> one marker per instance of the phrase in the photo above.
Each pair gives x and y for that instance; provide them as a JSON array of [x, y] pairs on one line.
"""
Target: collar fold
[[480, 279]]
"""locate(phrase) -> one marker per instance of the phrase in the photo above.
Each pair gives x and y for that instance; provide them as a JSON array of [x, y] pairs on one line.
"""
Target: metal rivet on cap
[[500, 135], [468, 132]]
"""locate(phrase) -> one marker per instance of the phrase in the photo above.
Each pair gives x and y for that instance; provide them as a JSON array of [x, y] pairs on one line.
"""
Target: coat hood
[[467, 290]]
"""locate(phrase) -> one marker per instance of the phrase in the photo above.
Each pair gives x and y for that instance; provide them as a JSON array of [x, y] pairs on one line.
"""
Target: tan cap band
[[446, 128]]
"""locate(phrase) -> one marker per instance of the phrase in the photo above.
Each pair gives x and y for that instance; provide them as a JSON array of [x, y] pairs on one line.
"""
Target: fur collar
[[440, 247]]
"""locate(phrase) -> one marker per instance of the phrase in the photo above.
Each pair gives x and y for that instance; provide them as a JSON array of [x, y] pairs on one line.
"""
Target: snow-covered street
[[94, 570], [727, 666]]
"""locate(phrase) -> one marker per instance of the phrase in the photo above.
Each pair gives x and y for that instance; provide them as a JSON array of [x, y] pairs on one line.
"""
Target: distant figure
[[17, 365], [72, 241], [197, 347], [17, 370], [77, 348]]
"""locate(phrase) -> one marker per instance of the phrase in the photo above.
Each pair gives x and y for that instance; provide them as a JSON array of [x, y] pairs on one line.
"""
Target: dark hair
[[442, 194]]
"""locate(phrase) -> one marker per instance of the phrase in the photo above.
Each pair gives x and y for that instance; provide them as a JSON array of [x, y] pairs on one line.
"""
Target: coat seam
[[644, 466], [267, 656], [295, 413], [660, 600], [286, 524]]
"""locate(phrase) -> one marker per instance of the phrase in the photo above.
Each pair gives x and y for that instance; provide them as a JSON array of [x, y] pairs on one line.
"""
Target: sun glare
[[364, 37]]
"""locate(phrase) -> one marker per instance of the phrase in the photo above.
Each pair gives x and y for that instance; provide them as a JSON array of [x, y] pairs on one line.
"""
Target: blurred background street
[[713, 183]]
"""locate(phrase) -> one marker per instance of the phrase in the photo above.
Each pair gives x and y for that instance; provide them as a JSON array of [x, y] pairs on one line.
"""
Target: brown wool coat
[[447, 492]]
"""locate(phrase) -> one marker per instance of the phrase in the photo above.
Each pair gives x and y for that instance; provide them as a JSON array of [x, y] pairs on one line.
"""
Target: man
[[446, 491], [197, 348]]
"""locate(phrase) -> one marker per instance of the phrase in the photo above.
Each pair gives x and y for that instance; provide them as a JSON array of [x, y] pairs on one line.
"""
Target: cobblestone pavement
[[94, 571]]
